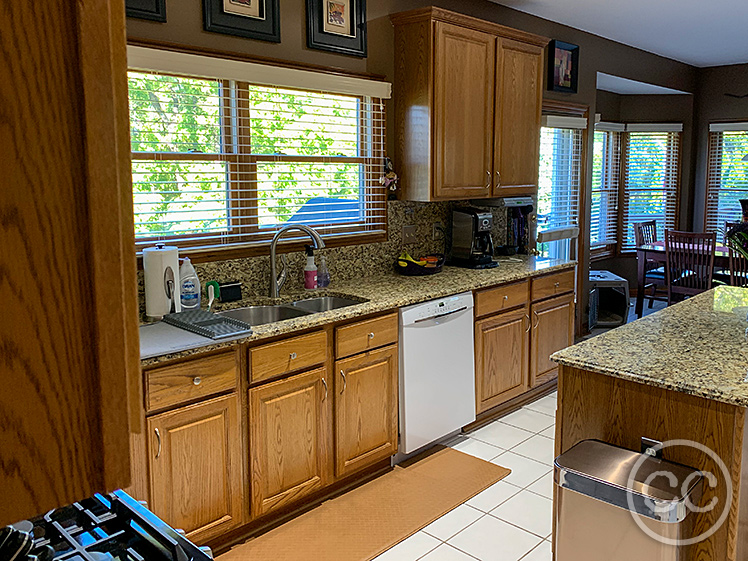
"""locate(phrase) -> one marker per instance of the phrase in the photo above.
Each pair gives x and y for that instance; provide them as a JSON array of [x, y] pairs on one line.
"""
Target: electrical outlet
[[410, 233], [437, 231]]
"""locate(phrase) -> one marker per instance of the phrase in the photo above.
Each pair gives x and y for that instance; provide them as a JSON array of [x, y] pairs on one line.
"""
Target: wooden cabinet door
[[463, 112], [553, 330], [501, 358], [519, 100], [196, 467], [288, 443], [365, 409]]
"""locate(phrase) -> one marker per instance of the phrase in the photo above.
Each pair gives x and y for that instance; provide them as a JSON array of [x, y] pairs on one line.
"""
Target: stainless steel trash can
[[602, 513]]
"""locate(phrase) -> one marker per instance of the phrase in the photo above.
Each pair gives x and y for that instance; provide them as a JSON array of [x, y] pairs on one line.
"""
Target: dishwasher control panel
[[436, 308]]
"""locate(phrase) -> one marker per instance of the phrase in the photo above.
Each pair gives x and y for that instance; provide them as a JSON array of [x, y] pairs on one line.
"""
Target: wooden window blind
[[606, 167], [727, 178], [220, 163], [650, 182]]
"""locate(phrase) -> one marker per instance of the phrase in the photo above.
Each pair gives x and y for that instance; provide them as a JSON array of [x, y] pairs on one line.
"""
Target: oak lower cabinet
[[289, 427], [195, 467], [366, 409], [502, 347], [553, 330]]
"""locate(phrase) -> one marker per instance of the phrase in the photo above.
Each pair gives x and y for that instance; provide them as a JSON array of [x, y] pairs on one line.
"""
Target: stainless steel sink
[[258, 315], [324, 303]]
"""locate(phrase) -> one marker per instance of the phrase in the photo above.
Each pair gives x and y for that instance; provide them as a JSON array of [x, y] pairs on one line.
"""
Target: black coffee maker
[[472, 246]]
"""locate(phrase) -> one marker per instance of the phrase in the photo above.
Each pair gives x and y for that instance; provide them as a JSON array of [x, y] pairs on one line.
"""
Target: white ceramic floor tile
[[491, 539], [524, 470], [537, 448], [528, 511], [543, 486], [478, 448], [501, 435], [528, 420], [493, 496], [410, 549], [447, 553], [550, 432], [540, 553], [455, 520], [545, 405]]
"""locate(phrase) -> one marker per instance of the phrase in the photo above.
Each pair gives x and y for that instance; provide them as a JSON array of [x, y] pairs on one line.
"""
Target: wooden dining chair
[[645, 233], [738, 269], [689, 265], [723, 275]]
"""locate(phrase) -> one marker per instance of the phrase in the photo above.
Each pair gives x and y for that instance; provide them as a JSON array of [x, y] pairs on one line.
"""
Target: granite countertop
[[161, 342], [696, 347]]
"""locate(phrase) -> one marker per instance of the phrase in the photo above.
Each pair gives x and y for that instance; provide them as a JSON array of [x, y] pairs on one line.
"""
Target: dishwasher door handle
[[437, 316]]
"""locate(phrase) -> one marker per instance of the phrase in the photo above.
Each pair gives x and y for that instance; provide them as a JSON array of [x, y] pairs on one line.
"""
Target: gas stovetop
[[106, 527]]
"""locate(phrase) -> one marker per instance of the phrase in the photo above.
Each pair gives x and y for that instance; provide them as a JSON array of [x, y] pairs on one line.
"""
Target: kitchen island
[[679, 374]]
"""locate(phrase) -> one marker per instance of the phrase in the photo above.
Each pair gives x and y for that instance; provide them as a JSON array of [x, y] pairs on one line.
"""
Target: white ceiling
[[697, 32], [624, 86]]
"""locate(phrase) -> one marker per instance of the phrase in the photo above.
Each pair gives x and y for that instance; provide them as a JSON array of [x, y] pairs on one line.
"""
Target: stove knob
[[206, 550]]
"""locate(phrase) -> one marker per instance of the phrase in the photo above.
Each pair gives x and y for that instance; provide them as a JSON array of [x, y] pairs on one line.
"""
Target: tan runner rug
[[362, 523]]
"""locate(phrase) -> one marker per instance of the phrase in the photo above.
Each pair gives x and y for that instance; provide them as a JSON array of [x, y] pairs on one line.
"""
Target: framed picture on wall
[[338, 26], [154, 10], [253, 19], [563, 66]]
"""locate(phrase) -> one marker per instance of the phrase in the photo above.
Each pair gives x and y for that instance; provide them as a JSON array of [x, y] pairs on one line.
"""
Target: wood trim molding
[[440, 14], [242, 57], [558, 107]]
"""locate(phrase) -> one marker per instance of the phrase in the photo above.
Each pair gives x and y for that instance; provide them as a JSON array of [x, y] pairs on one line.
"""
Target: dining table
[[656, 252]]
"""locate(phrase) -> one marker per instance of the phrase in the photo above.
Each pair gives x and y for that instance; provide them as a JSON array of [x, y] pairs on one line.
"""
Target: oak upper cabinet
[[553, 330], [195, 467], [289, 428], [467, 106], [366, 409], [519, 101], [502, 346], [463, 112]]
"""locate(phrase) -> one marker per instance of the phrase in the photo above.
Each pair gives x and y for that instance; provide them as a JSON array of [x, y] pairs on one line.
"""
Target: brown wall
[[713, 105]]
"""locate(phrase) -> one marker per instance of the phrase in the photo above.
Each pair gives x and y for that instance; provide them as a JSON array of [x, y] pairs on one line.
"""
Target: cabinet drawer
[[288, 355], [551, 285], [500, 298], [365, 335], [188, 381]]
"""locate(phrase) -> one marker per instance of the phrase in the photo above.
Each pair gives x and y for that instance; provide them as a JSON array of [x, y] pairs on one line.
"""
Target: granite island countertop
[[161, 342], [696, 347]]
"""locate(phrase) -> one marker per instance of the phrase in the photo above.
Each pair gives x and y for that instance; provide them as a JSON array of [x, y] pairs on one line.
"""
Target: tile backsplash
[[347, 262]]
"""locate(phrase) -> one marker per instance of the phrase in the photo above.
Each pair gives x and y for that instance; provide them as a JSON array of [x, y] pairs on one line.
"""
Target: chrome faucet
[[277, 280]]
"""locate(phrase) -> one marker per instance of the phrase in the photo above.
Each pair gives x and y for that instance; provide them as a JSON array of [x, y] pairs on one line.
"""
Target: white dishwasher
[[437, 372]]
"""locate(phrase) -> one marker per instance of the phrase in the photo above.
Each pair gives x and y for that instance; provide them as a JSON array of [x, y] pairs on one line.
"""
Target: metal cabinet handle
[[529, 323], [293, 356], [498, 178], [537, 319], [324, 383], [488, 185], [371, 335], [345, 382], [158, 437], [197, 380]]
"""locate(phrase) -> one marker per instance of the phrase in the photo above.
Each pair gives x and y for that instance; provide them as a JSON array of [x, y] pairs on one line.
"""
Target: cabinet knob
[[556, 285], [506, 297], [371, 335], [197, 380], [293, 356]]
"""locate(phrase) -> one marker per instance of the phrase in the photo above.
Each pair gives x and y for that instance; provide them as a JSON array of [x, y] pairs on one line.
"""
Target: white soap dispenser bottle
[[189, 286]]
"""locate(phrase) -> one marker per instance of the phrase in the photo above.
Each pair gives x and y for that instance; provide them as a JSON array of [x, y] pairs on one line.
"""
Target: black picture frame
[[217, 20], [154, 10], [317, 37], [557, 82]]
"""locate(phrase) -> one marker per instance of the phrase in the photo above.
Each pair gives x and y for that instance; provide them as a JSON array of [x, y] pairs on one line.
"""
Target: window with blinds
[[558, 187], [606, 165], [219, 163], [727, 175], [650, 181]]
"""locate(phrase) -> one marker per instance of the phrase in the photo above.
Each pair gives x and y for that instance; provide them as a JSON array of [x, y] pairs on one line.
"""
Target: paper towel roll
[[160, 265]]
